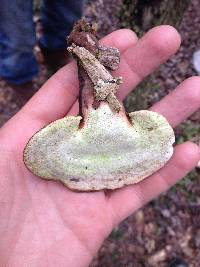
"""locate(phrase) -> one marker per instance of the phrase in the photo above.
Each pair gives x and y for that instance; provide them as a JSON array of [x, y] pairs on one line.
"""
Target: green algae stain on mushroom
[[104, 150]]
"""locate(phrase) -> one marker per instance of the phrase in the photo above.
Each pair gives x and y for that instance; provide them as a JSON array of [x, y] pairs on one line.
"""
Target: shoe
[[55, 59]]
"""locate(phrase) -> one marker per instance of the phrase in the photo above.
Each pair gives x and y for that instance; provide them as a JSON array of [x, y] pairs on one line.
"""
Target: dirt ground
[[166, 232]]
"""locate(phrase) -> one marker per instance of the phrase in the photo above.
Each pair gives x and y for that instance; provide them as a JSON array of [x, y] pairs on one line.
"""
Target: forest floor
[[166, 232]]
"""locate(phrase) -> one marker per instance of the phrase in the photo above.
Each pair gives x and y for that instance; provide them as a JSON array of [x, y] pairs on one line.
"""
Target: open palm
[[42, 223]]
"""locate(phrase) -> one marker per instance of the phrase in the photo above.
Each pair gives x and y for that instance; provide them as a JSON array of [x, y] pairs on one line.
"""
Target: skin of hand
[[42, 223]]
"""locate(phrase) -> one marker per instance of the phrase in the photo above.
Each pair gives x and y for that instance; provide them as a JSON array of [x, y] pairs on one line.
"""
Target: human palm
[[42, 223]]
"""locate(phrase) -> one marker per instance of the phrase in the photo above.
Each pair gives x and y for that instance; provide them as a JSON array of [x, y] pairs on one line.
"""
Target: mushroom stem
[[94, 60], [86, 95]]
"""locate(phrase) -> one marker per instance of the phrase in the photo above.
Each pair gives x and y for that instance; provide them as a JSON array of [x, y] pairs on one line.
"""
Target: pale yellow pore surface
[[108, 152]]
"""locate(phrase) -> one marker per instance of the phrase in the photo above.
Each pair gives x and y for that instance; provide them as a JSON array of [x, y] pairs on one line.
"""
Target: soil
[[166, 232]]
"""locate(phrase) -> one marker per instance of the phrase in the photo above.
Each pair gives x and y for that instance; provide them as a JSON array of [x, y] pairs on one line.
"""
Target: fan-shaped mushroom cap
[[109, 151]]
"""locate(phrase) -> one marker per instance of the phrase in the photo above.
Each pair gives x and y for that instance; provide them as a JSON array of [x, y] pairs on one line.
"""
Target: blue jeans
[[17, 34]]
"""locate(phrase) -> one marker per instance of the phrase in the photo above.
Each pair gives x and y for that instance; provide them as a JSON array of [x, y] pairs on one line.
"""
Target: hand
[[42, 223]]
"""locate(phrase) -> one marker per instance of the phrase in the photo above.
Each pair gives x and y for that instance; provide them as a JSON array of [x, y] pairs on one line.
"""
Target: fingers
[[153, 49], [127, 200], [181, 103], [58, 94], [176, 106], [140, 59]]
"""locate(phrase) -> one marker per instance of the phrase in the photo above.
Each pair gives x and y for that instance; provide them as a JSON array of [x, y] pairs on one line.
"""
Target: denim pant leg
[[17, 39], [58, 18]]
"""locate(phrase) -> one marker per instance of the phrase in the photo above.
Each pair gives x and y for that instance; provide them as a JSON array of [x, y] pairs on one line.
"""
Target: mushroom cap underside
[[109, 151]]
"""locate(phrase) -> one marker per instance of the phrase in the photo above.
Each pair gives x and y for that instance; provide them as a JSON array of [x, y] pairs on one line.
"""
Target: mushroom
[[102, 147]]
